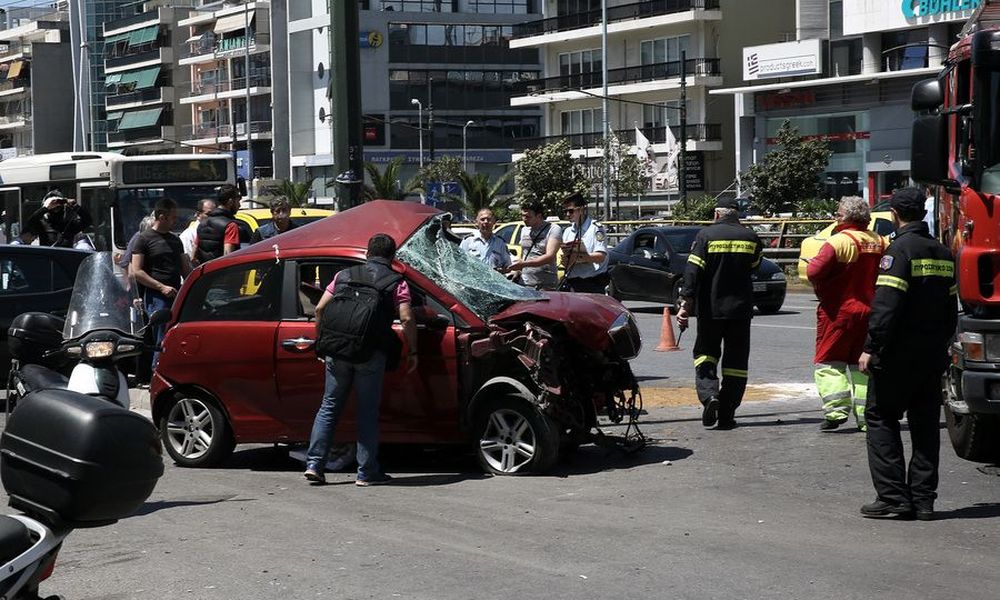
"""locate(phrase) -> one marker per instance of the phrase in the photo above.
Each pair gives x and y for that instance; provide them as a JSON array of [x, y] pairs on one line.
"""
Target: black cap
[[730, 203], [908, 200]]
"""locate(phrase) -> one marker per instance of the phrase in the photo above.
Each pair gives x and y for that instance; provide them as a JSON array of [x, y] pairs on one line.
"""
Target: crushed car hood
[[587, 317]]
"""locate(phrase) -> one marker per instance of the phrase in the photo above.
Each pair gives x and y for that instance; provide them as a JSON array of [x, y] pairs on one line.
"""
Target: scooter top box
[[32, 334], [74, 460]]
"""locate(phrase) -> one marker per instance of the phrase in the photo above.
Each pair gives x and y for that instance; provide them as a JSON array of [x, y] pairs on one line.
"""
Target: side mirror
[[926, 96], [659, 256], [159, 317], [929, 149]]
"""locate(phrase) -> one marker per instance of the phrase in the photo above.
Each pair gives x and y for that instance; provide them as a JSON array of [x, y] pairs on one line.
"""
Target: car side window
[[645, 245], [883, 226], [313, 277], [246, 292], [25, 275], [506, 233], [427, 310]]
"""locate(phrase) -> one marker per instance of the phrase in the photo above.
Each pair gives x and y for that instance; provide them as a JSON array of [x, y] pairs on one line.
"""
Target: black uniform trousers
[[596, 284], [725, 342], [917, 392]]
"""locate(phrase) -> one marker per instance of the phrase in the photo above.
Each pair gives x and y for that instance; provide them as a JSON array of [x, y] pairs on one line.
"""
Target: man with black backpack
[[355, 338]]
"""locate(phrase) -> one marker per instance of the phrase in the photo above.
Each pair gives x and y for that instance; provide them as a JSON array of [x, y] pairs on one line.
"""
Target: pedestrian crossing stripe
[[890, 281], [696, 261], [930, 267], [737, 246]]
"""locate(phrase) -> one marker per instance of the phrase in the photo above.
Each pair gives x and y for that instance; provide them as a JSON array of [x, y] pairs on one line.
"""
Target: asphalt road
[[766, 511]]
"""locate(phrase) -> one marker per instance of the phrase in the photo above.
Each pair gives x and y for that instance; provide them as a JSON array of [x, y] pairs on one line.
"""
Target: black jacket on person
[[212, 234], [58, 228], [718, 270], [915, 310]]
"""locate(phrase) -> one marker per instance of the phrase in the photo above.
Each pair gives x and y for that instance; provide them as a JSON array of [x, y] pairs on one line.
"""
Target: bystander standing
[[540, 242]]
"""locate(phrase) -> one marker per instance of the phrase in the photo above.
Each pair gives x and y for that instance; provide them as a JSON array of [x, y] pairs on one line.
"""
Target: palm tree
[[478, 192], [384, 184], [297, 192]]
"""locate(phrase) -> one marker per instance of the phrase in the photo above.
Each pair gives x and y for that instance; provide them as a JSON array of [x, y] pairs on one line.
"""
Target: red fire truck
[[956, 151]]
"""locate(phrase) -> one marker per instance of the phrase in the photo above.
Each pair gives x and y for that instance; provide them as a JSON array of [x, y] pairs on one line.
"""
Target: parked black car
[[34, 278], [649, 265]]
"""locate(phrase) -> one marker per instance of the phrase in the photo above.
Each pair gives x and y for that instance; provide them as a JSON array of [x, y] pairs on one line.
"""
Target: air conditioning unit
[[241, 128]]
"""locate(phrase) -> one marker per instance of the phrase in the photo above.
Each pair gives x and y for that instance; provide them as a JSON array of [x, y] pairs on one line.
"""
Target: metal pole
[[246, 66], [465, 157], [430, 116], [607, 126], [420, 128], [348, 151], [682, 168]]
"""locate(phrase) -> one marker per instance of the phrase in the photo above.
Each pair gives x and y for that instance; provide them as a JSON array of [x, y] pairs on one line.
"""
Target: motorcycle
[[85, 351]]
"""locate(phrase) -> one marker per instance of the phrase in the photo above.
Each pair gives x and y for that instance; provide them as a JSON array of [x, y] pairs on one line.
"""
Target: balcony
[[208, 47], [209, 132], [701, 67], [616, 14], [143, 135], [150, 17], [696, 132], [15, 121], [220, 86], [14, 87], [138, 97], [157, 55]]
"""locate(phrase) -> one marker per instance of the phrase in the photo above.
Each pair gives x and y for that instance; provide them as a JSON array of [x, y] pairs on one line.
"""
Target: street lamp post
[[420, 127], [604, 109], [465, 157], [246, 68]]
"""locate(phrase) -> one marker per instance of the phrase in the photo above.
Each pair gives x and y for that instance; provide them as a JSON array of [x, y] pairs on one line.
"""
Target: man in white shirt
[[190, 235], [483, 245], [584, 255]]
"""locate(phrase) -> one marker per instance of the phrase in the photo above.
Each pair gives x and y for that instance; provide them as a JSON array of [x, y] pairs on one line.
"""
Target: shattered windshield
[[477, 286]]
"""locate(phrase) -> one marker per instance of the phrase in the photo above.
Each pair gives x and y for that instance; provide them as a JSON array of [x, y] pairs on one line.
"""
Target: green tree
[[478, 191], [385, 184], [698, 209], [297, 192], [789, 174], [549, 173], [440, 170]]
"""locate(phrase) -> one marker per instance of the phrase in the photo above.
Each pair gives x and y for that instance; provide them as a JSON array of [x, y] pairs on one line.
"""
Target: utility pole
[[682, 170], [607, 125], [430, 116], [246, 68], [348, 153]]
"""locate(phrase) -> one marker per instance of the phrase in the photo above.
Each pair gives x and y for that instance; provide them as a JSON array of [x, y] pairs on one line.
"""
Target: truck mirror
[[929, 149], [986, 48], [926, 95]]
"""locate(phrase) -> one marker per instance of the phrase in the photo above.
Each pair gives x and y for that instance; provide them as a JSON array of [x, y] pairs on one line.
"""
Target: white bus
[[117, 191]]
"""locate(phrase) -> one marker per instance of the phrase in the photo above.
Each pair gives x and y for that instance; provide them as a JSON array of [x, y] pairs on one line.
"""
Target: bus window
[[97, 202], [135, 203], [10, 203]]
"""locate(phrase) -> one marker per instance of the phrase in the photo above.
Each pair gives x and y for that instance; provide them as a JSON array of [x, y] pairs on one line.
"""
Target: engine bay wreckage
[[567, 354]]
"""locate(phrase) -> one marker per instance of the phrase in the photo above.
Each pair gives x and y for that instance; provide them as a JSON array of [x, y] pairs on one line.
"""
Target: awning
[[233, 22], [140, 118], [15, 69], [118, 37], [146, 78], [142, 36], [112, 79], [114, 116]]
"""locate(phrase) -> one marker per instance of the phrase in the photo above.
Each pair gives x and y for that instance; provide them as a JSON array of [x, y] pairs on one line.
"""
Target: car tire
[[514, 438], [769, 309], [974, 437], [195, 432]]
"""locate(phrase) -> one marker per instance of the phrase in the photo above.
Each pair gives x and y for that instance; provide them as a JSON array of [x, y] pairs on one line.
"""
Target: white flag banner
[[644, 152], [669, 168]]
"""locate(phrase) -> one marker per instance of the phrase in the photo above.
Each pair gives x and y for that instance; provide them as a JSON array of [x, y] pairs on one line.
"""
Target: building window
[[588, 120], [904, 50], [845, 57], [836, 19], [666, 114], [572, 7], [501, 7], [663, 50], [466, 89], [446, 6], [584, 61], [459, 43]]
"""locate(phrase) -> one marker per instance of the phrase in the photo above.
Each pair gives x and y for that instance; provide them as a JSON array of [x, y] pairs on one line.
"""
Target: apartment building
[[846, 79], [237, 83], [36, 106], [142, 81], [645, 45]]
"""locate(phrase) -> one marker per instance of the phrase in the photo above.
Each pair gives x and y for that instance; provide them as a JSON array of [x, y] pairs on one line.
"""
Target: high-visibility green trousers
[[843, 390]]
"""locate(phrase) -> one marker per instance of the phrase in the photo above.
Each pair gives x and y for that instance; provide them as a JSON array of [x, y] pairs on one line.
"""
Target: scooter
[[103, 327], [68, 460]]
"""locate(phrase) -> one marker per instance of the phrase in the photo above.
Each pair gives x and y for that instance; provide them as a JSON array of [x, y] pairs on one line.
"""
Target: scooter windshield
[[104, 297]]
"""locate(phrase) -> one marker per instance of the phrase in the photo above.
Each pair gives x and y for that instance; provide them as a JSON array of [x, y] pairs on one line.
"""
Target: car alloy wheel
[[515, 437], [195, 432]]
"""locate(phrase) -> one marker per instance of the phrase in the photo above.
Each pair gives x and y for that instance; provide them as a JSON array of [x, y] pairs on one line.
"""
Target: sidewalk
[[140, 402]]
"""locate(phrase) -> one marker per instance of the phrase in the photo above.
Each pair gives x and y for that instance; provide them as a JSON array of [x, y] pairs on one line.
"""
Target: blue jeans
[[154, 302], [341, 376]]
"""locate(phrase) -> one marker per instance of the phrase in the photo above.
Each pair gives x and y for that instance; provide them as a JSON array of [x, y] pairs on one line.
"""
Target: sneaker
[[726, 424], [831, 424], [315, 476], [710, 414], [373, 480], [881, 508]]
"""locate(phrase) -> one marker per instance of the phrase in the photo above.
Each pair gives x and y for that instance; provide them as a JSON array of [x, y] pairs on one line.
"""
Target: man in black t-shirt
[[159, 263]]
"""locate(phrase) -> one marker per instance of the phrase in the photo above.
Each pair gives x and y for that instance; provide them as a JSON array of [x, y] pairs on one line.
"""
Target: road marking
[[783, 326]]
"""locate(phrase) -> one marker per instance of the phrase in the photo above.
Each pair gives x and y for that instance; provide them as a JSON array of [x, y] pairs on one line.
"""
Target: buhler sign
[[913, 9]]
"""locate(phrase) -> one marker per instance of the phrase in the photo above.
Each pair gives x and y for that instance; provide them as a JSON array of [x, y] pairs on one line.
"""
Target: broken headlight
[[624, 334]]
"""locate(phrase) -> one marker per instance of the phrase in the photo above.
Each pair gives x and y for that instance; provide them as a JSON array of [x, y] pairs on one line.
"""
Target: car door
[[223, 342], [644, 272]]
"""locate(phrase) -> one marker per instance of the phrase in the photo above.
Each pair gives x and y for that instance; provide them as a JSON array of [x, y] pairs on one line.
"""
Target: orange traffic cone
[[668, 343]]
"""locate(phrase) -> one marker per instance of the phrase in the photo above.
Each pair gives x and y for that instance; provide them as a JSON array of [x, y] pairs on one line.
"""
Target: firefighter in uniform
[[843, 276], [912, 321], [717, 287]]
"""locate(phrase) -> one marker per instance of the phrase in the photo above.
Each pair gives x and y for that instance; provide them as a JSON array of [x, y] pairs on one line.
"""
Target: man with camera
[[58, 221]]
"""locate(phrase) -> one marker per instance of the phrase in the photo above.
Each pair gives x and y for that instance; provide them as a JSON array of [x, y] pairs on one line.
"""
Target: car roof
[[298, 211], [46, 250], [352, 228]]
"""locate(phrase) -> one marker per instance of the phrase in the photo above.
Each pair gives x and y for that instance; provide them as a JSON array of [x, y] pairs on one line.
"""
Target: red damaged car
[[520, 374]]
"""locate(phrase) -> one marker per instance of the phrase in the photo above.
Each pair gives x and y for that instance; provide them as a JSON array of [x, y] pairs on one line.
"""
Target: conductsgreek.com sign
[[929, 8]]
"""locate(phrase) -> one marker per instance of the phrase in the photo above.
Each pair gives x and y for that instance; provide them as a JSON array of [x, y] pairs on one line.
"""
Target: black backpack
[[357, 322]]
